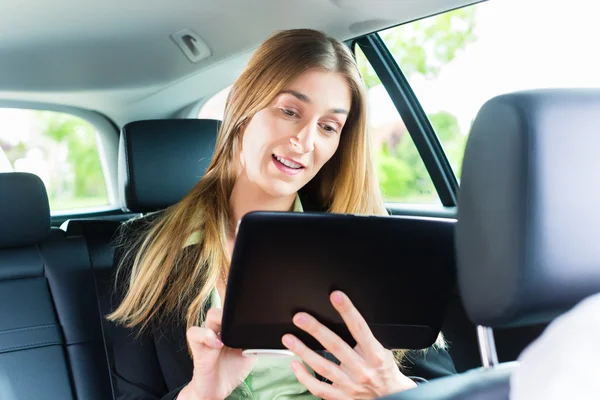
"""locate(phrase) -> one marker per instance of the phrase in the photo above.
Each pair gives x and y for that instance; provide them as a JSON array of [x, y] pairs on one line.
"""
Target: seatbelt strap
[[108, 358]]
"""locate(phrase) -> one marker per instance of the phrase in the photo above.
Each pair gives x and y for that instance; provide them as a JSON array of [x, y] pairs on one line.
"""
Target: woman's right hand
[[218, 369]]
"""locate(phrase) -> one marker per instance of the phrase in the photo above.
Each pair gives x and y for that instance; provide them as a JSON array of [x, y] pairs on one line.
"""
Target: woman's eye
[[329, 128], [289, 113]]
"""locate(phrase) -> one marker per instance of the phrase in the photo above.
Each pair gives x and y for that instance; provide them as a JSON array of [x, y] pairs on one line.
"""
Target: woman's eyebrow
[[305, 99], [300, 96], [339, 111]]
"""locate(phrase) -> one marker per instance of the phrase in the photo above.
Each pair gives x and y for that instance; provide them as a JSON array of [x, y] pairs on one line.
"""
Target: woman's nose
[[304, 140]]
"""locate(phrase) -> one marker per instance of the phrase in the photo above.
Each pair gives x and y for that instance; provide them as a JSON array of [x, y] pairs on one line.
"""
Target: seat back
[[527, 224], [159, 162], [51, 344]]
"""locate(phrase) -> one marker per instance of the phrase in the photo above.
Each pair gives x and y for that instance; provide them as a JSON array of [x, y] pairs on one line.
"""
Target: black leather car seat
[[51, 344], [527, 225]]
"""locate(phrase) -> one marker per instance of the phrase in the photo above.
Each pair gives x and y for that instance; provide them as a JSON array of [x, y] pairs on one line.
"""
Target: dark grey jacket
[[156, 364]]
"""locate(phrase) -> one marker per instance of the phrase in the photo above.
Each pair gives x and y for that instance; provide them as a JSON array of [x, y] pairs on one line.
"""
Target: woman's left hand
[[367, 371]]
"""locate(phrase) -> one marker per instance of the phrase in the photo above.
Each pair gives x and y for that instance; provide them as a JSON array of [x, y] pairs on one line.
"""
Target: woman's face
[[285, 144]]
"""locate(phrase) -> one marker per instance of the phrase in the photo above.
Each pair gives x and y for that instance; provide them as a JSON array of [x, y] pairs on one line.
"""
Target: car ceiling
[[118, 58]]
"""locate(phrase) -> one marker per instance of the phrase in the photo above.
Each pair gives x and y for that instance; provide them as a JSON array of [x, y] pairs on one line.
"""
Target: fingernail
[[295, 366], [218, 343], [338, 297], [300, 319], [288, 341]]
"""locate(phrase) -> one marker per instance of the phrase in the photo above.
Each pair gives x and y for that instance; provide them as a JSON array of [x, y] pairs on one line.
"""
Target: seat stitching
[[29, 345], [28, 329]]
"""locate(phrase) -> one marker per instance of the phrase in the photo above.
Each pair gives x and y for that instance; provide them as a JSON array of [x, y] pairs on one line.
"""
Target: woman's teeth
[[287, 163]]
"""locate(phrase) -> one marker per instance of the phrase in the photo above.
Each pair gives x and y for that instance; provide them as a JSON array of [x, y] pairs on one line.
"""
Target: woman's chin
[[277, 188]]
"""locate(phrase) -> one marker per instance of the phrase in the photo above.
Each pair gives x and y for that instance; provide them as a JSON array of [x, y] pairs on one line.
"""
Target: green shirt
[[271, 378]]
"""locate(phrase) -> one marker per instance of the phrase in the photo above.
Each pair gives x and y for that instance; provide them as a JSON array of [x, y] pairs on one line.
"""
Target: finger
[[345, 369], [319, 364], [203, 337], [329, 340], [213, 319], [319, 389], [206, 349], [355, 322]]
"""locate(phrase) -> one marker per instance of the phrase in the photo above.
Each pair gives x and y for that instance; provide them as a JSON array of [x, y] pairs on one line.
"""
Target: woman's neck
[[247, 197]]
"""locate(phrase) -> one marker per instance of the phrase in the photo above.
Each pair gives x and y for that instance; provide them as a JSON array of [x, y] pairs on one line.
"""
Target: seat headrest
[[528, 209], [24, 210], [160, 161]]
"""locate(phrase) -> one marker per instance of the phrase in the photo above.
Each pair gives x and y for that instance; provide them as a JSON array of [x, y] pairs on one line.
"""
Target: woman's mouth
[[287, 166]]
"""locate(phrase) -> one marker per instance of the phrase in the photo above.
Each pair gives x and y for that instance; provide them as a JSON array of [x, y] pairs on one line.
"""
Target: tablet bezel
[[257, 226]]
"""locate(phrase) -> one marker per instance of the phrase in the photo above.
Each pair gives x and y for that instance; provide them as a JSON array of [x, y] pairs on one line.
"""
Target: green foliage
[[366, 70], [452, 139], [443, 35], [396, 177], [62, 149], [402, 174], [421, 48], [88, 186]]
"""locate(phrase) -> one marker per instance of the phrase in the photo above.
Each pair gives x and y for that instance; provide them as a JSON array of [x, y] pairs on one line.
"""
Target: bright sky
[[15, 125], [522, 44]]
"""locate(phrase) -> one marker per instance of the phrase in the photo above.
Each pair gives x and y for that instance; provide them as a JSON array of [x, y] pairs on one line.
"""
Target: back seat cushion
[[73, 290], [32, 360], [100, 237], [50, 337]]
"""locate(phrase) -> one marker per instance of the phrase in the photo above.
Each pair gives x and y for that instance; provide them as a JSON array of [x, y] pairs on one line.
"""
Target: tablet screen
[[398, 272]]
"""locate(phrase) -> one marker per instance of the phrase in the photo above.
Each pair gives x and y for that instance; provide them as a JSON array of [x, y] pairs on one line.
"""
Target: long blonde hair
[[168, 279]]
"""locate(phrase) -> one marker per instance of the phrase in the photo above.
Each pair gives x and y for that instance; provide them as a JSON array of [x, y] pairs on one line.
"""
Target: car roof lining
[[119, 59]]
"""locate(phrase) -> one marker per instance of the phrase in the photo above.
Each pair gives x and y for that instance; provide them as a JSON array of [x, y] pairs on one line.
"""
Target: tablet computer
[[398, 272]]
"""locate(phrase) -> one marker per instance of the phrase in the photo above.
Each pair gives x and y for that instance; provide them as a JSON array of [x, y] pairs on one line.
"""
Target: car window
[[214, 107], [59, 148], [402, 174], [456, 61]]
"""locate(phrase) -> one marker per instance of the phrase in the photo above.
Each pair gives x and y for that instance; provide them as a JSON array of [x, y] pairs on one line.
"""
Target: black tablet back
[[398, 271]]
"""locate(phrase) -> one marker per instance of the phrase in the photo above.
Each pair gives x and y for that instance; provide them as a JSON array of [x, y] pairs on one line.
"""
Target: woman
[[293, 137]]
